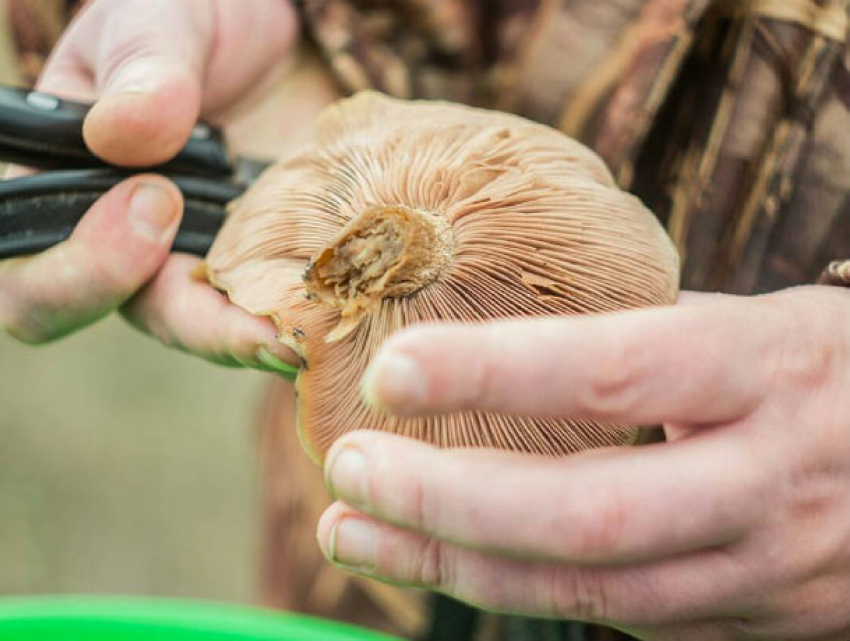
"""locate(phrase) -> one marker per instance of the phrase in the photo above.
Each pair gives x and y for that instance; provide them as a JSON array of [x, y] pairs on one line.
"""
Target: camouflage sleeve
[[35, 27], [727, 118]]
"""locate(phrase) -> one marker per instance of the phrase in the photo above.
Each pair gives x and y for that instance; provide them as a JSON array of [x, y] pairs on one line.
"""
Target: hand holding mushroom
[[399, 213], [153, 66], [737, 528]]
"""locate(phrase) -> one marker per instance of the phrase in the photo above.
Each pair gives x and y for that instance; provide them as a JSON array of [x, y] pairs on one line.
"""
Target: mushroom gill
[[405, 212]]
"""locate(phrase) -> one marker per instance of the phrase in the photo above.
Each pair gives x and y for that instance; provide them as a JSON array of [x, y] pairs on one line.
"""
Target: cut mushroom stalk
[[386, 252]]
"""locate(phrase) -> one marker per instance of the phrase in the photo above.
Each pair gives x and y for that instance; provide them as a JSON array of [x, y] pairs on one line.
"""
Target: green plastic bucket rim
[[113, 618]]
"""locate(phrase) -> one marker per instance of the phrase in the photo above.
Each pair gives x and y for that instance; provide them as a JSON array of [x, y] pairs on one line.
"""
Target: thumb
[[146, 60], [146, 113]]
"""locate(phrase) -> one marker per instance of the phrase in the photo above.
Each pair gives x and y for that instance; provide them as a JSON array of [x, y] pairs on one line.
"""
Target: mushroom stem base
[[385, 252]]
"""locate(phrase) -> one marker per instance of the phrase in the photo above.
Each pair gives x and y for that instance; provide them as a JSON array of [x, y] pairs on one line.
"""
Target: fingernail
[[289, 372], [354, 543], [393, 380], [346, 475], [153, 212]]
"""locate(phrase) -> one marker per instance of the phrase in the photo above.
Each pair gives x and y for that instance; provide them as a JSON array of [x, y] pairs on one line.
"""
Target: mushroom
[[402, 212]]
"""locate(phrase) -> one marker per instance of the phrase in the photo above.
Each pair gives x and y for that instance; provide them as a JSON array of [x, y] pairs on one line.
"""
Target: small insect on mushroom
[[404, 212]]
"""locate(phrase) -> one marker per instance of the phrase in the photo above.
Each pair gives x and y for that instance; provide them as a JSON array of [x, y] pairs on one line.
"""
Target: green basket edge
[[159, 614]]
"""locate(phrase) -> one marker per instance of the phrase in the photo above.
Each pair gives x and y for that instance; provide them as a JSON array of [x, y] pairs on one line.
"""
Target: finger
[[148, 74], [673, 590], [154, 75], [608, 507], [117, 246], [706, 362], [185, 312]]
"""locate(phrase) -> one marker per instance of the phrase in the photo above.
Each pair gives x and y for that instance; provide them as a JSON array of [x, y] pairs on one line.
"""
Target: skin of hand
[[152, 68], [737, 527]]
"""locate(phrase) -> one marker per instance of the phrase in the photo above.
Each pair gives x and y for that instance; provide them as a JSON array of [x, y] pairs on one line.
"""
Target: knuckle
[[435, 567], [132, 41], [612, 381], [598, 525], [147, 321], [811, 347], [165, 307], [146, 313], [481, 388], [411, 498], [813, 502], [805, 363], [21, 322], [481, 380], [241, 342], [579, 593], [422, 514], [26, 328], [127, 41], [417, 501]]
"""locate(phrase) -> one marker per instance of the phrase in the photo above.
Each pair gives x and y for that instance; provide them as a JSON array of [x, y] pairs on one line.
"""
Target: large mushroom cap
[[403, 212]]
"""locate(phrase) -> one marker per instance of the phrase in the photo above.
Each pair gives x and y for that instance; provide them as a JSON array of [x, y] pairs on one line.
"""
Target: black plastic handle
[[37, 212], [44, 131]]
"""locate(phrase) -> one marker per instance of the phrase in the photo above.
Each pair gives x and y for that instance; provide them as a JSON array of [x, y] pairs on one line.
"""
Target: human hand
[[152, 67], [737, 528]]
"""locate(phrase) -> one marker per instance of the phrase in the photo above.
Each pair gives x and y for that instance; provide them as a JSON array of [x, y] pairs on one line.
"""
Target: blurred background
[[124, 467]]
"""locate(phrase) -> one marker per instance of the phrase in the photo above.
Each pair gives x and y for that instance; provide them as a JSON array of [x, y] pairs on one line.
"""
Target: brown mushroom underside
[[403, 212]]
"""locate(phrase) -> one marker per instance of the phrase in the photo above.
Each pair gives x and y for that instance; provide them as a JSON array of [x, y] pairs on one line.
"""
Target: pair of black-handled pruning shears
[[45, 132]]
